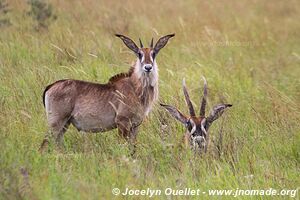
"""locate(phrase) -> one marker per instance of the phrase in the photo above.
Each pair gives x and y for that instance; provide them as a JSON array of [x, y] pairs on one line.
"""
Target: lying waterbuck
[[197, 127], [121, 103]]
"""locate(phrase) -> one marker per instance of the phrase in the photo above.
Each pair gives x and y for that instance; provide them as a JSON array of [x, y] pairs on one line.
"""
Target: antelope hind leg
[[45, 143], [57, 131]]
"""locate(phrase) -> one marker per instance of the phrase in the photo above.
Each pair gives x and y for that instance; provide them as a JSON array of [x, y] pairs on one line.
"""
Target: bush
[[42, 13], [4, 21]]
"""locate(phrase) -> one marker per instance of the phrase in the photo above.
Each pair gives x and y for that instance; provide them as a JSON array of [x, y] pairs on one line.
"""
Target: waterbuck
[[121, 103], [197, 127]]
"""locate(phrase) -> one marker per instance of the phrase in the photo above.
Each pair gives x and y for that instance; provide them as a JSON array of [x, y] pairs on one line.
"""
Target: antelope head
[[146, 56], [197, 126]]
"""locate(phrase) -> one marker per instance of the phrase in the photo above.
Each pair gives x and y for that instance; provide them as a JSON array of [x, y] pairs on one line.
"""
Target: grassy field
[[249, 52]]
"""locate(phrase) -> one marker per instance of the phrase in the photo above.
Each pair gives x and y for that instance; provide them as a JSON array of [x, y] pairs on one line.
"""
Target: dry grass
[[248, 51]]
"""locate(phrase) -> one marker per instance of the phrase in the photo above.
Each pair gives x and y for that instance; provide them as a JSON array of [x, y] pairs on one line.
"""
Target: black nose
[[148, 68]]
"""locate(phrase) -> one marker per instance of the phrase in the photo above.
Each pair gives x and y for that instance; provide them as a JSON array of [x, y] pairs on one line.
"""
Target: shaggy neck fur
[[146, 85]]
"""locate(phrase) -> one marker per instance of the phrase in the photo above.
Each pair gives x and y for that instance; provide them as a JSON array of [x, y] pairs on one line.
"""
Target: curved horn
[[141, 44], [151, 44], [204, 99], [187, 99]]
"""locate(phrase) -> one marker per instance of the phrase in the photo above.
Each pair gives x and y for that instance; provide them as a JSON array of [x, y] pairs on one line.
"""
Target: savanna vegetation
[[248, 51]]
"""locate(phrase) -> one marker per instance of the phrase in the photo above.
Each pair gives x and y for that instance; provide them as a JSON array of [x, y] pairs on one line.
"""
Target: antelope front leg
[[127, 131], [123, 126]]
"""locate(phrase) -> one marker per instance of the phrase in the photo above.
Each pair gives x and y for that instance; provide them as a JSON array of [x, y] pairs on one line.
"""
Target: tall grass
[[248, 50]]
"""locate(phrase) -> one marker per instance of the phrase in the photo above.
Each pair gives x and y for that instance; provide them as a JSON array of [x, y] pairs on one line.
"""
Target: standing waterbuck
[[121, 103], [197, 127]]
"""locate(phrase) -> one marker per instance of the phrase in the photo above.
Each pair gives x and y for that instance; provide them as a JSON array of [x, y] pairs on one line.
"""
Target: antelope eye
[[188, 123], [153, 55], [140, 55]]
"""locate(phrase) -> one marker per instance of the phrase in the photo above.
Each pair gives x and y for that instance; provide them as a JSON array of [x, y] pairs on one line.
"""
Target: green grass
[[249, 53]]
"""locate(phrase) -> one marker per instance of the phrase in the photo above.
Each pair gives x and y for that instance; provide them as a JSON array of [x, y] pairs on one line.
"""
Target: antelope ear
[[162, 42], [129, 43], [175, 113], [216, 112]]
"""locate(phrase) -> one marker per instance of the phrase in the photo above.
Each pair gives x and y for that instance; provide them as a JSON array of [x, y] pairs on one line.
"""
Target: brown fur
[[196, 135], [125, 99], [47, 88], [120, 76], [121, 103], [147, 55]]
